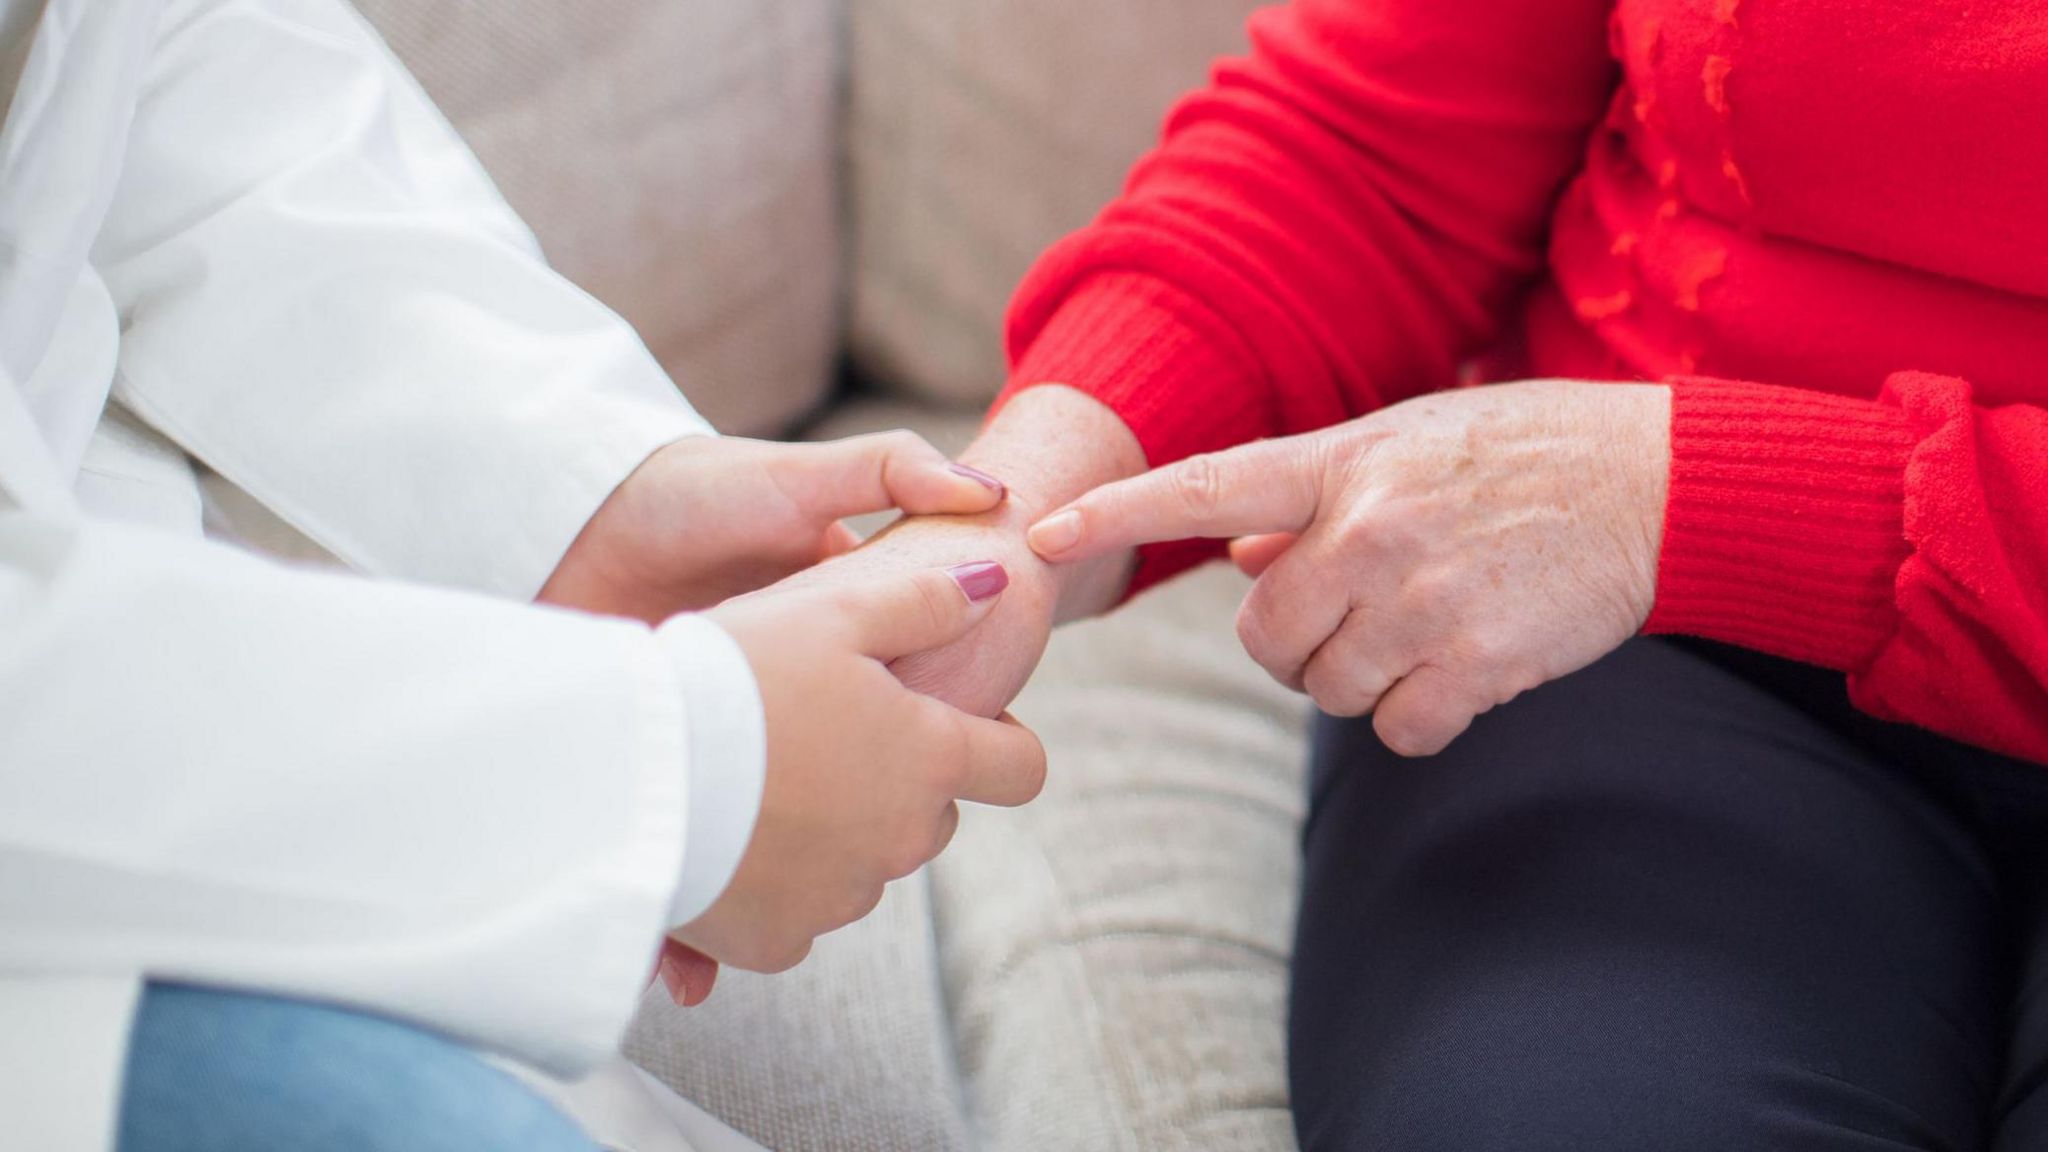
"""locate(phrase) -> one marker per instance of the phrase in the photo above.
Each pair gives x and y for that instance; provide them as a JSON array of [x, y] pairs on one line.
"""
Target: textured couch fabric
[[850, 1050], [980, 131], [677, 159], [1115, 955]]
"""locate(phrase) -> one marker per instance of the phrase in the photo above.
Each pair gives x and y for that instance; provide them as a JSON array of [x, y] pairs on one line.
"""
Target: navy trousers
[[1686, 899]]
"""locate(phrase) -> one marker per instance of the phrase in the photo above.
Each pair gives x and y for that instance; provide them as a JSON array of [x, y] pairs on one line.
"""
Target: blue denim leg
[[213, 1071]]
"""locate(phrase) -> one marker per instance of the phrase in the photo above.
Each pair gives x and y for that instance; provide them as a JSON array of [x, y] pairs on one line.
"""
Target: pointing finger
[[1270, 486]]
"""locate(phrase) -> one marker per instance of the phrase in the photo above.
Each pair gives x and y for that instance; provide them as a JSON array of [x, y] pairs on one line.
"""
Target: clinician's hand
[[708, 518], [1050, 443], [863, 773], [1439, 557]]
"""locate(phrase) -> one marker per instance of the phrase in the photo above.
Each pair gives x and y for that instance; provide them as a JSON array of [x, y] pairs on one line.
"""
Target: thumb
[[878, 472], [1254, 554], [905, 614]]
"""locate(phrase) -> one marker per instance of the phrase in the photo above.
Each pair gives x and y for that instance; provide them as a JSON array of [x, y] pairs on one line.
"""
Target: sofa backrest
[[691, 163], [980, 131], [677, 159]]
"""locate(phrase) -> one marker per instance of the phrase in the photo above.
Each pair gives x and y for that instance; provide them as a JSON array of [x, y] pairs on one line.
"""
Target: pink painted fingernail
[[978, 476], [980, 580]]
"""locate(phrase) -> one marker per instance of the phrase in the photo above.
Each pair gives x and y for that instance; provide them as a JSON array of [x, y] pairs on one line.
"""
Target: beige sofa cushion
[[980, 132], [678, 160], [848, 1052]]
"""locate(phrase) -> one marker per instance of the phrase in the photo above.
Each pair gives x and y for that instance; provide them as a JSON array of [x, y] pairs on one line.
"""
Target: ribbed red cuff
[[1784, 528], [1174, 371]]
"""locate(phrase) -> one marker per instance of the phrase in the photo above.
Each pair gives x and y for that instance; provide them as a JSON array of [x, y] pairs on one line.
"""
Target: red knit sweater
[[1826, 223]]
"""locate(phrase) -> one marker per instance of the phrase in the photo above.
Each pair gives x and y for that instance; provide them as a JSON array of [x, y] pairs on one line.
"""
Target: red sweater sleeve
[[1903, 540], [1333, 224]]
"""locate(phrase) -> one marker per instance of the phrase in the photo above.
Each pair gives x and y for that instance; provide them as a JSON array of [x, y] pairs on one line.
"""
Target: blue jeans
[[213, 1071]]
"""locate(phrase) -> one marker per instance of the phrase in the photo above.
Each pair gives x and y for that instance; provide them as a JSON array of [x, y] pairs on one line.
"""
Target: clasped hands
[[863, 774], [1422, 564]]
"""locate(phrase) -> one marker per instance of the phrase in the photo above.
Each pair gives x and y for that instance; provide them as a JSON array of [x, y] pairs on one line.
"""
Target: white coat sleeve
[[431, 804], [326, 300]]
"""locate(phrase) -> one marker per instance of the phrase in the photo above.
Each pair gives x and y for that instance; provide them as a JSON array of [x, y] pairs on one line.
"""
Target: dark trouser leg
[[1650, 906], [2016, 799], [2022, 1116]]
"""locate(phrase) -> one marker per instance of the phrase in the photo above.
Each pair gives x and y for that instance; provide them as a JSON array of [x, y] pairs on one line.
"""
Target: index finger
[[1268, 486]]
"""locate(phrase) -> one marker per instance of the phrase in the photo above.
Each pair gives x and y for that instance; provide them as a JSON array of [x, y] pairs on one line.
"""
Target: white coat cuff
[[728, 769]]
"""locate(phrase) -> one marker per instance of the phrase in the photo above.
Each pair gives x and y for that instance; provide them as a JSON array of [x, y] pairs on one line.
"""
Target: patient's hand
[[983, 672], [1049, 444], [1052, 444], [706, 519]]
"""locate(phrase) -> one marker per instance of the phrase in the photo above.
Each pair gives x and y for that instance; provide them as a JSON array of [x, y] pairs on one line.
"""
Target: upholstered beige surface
[[849, 1051], [1115, 955], [978, 132], [678, 160]]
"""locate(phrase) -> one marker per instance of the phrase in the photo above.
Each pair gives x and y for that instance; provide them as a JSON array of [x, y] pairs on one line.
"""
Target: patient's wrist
[[1049, 444]]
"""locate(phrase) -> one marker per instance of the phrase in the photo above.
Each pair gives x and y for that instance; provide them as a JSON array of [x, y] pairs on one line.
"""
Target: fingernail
[[978, 476], [1056, 533], [980, 580]]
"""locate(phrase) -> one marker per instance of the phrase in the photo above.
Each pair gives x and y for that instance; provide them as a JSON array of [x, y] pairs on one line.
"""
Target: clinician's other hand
[[1050, 443], [1447, 553], [708, 518], [863, 773]]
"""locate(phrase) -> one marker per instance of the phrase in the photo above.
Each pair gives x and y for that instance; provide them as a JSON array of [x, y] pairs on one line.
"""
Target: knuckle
[[937, 602], [901, 445], [1254, 631], [863, 901], [789, 957], [1427, 594], [1339, 698], [902, 440], [1198, 485], [1489, 648], [1380, 529], [1336, 690], [774, 954]]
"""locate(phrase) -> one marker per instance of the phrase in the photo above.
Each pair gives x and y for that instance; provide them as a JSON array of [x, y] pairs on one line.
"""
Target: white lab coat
[[234, 231]]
